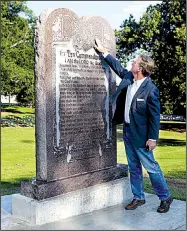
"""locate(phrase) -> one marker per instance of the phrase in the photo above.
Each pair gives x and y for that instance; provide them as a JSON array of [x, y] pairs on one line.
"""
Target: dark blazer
[[145, 107]]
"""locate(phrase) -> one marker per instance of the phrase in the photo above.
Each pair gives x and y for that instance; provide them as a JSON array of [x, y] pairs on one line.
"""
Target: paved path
[[111, 218]]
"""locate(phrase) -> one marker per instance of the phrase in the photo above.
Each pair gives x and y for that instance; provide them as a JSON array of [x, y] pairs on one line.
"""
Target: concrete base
[[71, 204]]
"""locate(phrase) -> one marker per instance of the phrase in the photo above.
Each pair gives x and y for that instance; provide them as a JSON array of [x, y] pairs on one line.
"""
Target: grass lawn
[[18, 159], [16, 111]]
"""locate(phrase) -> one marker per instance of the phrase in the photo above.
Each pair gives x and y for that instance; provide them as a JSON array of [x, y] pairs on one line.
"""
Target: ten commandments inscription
[[80, 108]]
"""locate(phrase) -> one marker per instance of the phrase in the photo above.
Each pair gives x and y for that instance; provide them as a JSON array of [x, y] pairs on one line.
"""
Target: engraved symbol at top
[[63, 27]]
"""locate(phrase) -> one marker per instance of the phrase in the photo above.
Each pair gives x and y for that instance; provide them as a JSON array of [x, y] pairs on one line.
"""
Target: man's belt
[[126, 124]]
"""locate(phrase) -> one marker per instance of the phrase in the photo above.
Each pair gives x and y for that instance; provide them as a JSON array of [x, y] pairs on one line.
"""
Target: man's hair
[[147, 65]]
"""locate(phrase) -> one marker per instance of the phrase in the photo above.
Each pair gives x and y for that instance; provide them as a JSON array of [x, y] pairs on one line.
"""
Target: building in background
[[8, 100]]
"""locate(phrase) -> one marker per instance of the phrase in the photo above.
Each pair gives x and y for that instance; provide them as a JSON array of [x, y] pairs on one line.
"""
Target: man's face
[[135, 66]]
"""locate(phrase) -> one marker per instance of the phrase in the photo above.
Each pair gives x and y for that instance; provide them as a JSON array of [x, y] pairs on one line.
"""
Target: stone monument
[[75, 136]]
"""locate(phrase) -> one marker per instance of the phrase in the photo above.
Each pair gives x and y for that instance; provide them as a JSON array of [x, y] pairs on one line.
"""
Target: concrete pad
[[71, 204], [6, 203], [183, 227], [144, 217], [8, 221], [5, 217]]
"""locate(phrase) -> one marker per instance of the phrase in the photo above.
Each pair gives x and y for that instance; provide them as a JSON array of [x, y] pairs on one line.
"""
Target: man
[[138, 108]]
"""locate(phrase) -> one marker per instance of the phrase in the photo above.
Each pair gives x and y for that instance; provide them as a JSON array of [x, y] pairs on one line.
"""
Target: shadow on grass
[[8, 188], [161, 142], [171, 142], [173, 173], [16, 182], [27, 141], [12, 110], [5, 184], [173, 127]]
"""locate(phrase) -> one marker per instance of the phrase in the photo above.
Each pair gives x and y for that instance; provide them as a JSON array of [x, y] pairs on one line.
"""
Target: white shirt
[[131, 91], [105, 54]]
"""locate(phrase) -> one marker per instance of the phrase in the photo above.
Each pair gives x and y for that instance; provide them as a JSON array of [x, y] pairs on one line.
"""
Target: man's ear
[[139, 69]]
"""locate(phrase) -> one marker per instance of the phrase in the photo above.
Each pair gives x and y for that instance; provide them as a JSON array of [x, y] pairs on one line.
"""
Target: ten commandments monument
[[75, 136]]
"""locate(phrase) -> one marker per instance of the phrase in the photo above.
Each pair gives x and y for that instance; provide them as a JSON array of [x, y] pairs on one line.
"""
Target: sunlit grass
[[170, 153], [18, 157]]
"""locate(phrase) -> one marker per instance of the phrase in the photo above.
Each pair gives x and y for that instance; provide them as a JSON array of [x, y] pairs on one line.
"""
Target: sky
[[115, 12]]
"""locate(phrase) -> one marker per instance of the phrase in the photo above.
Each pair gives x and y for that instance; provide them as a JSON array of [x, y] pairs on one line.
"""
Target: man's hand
[[99, 47], [151, 144]]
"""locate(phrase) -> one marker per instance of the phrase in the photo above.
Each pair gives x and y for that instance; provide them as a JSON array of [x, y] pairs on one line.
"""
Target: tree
[[17, 51], [162, 32]]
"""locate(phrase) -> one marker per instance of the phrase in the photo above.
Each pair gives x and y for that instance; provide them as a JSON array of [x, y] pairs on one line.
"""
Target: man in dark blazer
[[137, 106]]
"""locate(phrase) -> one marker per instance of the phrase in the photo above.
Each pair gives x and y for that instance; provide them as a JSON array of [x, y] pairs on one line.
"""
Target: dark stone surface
[[75, 136], [41, 190], [74, 130]]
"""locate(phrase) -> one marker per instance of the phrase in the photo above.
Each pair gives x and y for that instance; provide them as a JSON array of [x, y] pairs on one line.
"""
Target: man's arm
[[153, 114], [112, 62], [153, 118], [116, 67]]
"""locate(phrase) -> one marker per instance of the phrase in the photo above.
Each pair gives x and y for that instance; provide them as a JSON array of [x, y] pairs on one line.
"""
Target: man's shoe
[[165, 205], [134, 204]]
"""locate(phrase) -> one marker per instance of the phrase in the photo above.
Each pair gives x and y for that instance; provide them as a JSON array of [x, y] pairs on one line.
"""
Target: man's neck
[[138, 76]]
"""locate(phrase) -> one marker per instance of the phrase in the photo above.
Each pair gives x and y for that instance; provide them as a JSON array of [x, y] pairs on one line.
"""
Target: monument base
[[71, 204], [42, 190]]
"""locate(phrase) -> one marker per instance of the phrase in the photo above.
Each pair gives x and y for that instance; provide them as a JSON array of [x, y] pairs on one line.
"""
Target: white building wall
[[5, 99]]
